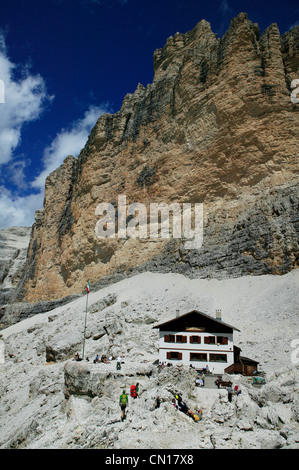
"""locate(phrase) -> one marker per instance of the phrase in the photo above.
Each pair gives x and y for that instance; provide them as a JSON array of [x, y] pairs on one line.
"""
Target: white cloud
[[13, 173], [18, 211], [24, 101], [68, 142]]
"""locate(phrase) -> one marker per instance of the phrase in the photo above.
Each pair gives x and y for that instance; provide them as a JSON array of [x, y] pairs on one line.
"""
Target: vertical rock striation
[[13, 248], [216, 126]]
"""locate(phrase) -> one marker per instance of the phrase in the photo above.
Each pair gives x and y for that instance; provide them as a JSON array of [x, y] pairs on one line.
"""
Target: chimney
[[177, 313], [218, 315]]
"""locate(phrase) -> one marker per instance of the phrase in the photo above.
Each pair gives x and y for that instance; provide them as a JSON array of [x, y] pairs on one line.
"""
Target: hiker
[[77, 357], [184, 408], [174, 403], [218, 381], [96, 359], [199, 413], [118, 363], [134, 391], [123, 400], [229, 392], [196, 416], [182, 405]]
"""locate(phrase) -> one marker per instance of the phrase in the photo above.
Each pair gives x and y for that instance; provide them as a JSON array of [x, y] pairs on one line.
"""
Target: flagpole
[[87, 292]]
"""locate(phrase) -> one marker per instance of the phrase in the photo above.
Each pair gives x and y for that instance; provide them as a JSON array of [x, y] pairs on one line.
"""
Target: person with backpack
[[134, 390], [118, 363], [123, 400], [182, 405]]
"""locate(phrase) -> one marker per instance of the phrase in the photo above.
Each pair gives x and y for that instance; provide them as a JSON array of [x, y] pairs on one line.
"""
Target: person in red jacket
[[134, 390]]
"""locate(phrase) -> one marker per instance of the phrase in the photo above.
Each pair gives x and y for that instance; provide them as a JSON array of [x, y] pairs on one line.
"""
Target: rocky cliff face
[[13, 249], [216, 126]]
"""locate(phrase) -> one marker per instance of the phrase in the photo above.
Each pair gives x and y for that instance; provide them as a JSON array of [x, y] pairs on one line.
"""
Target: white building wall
[[187, 348]]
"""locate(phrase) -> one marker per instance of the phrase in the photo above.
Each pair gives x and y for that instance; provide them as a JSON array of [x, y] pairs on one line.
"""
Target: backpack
[[123, 399], [133, 391]]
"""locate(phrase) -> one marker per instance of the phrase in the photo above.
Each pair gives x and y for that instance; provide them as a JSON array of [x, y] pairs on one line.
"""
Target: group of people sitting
[[102, 359], [179, 404], [165, 364]]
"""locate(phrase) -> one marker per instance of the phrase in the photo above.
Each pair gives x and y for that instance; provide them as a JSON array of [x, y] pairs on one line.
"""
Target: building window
[[222, 340], [169, 338], [181, 339], [218, 358], [195, 339], [174, 355], [209, 339], [200, 357]]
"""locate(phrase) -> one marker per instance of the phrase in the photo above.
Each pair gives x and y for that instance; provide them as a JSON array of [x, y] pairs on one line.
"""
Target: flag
[[87, 288]]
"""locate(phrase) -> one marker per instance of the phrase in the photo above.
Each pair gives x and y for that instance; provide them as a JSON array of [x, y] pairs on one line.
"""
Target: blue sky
[[65, 62]]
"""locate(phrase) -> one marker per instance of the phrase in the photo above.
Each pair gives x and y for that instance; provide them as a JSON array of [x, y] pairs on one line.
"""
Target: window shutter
[[180, 355], [168, 355], [166, 338], [225, 340], [207, 340], [191, 339], [184, 339]]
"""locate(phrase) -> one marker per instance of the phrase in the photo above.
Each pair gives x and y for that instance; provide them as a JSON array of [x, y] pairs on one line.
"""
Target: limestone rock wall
[[215, 126], [13, 250]]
